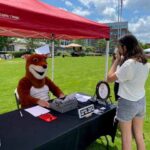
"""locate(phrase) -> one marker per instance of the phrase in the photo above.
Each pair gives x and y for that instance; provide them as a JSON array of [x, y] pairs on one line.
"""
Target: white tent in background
[[73, 45], [147, 50], [43, 49]]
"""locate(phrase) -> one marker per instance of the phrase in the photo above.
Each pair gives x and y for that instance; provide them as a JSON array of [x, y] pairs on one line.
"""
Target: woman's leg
[[126, 134], [137, 124]]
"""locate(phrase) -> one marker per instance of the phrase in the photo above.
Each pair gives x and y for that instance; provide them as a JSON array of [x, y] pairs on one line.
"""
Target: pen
[[21, 113]]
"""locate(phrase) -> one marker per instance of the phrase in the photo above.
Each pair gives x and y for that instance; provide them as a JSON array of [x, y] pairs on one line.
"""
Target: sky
[[135, 12]]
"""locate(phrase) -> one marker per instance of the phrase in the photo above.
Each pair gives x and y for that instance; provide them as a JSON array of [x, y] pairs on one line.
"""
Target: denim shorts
[[127, 110]]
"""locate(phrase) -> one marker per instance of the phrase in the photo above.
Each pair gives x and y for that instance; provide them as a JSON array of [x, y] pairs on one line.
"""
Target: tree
[[101, 44], [144, 46], [5, 42], [31, 44], [80, 42], [35, 43], [90, 49]]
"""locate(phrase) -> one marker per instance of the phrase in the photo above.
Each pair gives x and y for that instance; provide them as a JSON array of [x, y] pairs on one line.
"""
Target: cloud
[[105, 20], [68, 3], [110, 13], [141, 28], [63, 8], [103, 8], [99, 3], [136, 12], [82, 12], [137, 4], [85, 3]]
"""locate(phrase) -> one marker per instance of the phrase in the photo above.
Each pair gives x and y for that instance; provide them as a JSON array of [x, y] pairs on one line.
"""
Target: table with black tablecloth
[[67, 132]]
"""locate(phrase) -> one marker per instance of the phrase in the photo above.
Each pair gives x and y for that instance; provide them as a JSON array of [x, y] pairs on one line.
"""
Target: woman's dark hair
[[133, 48]]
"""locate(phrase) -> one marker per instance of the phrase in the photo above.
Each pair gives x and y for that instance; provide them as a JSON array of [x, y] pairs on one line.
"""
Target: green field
[[77, 74]]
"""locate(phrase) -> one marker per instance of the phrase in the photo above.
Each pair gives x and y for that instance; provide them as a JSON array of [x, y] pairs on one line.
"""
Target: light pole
[[120, 5]]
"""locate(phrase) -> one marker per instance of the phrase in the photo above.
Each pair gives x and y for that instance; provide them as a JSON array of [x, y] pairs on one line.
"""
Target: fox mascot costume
[[33, 88]]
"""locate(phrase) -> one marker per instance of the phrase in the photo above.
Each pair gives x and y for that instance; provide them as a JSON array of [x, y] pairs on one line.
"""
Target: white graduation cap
[[43, 49]]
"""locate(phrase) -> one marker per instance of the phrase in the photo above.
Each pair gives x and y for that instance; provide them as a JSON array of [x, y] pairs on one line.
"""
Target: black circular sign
[[102, 90]]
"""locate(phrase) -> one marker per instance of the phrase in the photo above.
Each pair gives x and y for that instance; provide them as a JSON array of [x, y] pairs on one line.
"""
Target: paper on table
[[37, 110], [82, 98]]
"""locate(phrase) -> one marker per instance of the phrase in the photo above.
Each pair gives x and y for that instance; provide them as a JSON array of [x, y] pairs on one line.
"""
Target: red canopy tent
[[33, 18]]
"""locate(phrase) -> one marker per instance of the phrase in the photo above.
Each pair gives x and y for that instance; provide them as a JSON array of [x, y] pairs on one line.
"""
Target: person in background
[[132, 76]]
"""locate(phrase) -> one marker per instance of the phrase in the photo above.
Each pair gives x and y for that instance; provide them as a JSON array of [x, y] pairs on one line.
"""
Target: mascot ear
[[46, 55], [25, 56]]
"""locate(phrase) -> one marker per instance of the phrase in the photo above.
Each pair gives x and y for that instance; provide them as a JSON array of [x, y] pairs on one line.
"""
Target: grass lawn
[[72, 75]]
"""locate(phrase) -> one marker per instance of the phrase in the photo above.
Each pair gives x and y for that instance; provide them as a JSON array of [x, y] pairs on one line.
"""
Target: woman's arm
[[111, 77]]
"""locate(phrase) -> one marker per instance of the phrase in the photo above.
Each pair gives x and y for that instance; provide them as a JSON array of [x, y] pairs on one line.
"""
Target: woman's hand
[[118, 56], [62, 96], [43, 103]]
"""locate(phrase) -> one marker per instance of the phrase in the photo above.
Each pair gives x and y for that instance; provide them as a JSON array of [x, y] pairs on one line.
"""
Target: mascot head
[[36, 66]]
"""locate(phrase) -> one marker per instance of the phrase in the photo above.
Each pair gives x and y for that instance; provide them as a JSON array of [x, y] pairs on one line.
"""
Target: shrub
[[20, 53], [90, 49], [62, 53], [3, 52]]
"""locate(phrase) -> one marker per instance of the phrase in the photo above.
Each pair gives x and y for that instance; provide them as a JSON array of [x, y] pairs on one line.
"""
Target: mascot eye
[[35, 59]]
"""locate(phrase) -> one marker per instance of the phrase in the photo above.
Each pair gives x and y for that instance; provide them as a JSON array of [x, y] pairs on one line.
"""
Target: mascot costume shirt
[[34, 88]]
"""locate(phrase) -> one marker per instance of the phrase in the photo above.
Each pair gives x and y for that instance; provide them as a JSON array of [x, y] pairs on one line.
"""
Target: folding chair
[[18, 102]]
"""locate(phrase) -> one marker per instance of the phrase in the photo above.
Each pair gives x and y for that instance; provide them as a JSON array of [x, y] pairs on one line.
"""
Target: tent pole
[[52, 53], [106, 60]]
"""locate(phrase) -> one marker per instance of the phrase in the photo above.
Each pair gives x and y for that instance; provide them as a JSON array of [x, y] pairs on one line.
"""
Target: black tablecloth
[[67, 132]]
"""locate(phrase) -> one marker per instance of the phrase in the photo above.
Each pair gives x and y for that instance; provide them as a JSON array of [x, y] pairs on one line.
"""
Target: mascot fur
[[34, 87]]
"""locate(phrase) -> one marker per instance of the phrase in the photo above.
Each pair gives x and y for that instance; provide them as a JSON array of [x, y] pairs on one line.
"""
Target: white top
[[40, 93], [132, 76]]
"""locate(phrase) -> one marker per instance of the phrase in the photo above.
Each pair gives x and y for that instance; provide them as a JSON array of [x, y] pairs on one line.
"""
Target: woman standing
[[132, 76]]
